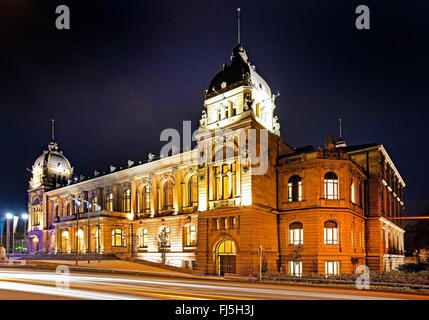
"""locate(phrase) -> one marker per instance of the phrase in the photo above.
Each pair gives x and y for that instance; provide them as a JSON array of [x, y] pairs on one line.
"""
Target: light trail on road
[[118, 287]]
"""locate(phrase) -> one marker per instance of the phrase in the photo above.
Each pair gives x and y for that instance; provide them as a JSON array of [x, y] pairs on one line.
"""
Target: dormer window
[[232, 109], [226, 109]]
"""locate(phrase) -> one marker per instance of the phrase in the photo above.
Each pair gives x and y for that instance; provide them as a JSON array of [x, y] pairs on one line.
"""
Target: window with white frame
[[295, 268], [294, 189], [331, 186], [143, 237], [331, 232], [332, 268], [295, 234], [352, 192]]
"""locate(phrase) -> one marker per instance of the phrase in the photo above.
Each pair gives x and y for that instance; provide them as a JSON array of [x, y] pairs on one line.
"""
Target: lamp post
[[88, 207], [98, 208], [9, 217], [24, 217], [77, 204], [14, 225]]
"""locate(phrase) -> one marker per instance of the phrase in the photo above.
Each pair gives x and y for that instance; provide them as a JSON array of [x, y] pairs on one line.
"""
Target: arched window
[[193, 190], [219, 114], [118, 238], [68, 209], [126, 201], [56, 211], [146, 199], [331, 186], [331, 232], [294, 189], [108, 203], [296, 234], [168, 195], [143, 237]]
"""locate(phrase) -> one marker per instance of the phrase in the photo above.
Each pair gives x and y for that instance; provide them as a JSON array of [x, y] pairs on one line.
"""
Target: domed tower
[[50, 170], [238, 92]]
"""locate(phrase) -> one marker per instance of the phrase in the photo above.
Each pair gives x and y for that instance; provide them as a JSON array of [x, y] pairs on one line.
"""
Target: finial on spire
[[339, 120], [53, 129], [238, 25]]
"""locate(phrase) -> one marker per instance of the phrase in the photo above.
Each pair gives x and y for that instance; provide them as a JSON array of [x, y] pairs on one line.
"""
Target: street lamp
[[88, 207], [98, 208], [24, 217], [9, 216], [77, 204]]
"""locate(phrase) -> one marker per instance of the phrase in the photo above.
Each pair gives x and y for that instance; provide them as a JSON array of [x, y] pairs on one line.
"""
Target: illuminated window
[[331, 232], [108, 204], [225, 223], [257, 109], [94, 202], [295, 268], [143, 236], [226, 110], [190, 233], [352, 192], [146, 199], [225, 181], [232, 222], [296, 234], [118, 238], [232, 109], [332, 268], [294, 189], [193, 190], [126, 201], [168, 195], [331, 186]]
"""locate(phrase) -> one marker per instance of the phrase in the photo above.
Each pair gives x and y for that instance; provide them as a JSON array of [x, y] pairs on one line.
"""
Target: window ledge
[[190, 247]]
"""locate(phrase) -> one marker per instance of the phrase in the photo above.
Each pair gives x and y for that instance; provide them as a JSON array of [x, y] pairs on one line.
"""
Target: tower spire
[[238, 25], [339, 120], [53, 129]]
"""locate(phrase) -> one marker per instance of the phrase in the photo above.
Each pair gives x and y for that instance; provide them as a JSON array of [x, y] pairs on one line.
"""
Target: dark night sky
[[129, 69]]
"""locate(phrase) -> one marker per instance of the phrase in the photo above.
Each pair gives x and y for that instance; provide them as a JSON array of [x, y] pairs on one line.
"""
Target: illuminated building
[[323, 210]]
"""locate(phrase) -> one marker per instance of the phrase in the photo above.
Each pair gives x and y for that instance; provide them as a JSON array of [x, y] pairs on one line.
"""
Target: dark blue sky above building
[[126, 70]]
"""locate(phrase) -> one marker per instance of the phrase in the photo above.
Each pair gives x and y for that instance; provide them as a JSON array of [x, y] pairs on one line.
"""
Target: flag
[[15, 223]]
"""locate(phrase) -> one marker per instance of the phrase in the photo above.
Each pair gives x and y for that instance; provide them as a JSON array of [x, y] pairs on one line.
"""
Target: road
[[27, 284]]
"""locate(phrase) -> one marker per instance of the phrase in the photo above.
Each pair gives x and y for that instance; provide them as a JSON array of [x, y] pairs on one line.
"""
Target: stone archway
[[226, 254]]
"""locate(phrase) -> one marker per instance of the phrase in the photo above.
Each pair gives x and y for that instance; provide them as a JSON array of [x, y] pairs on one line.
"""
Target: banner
[[15, 223]]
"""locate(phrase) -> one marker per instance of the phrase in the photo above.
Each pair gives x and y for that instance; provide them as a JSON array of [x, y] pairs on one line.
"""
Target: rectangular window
[[143, 238], [257, 109], [109, 202], [232, 222], [332, 268], [296, 237], [295, 268], [331, 235], [190, 236]]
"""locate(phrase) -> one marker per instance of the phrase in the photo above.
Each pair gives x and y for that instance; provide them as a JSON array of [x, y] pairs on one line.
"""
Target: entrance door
[[227, 264], [226, 257]]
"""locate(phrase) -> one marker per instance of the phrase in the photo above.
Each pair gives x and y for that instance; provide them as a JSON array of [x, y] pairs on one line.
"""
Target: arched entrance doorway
[[81, 242], [65, 246], [35, 243], [225, 257]]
